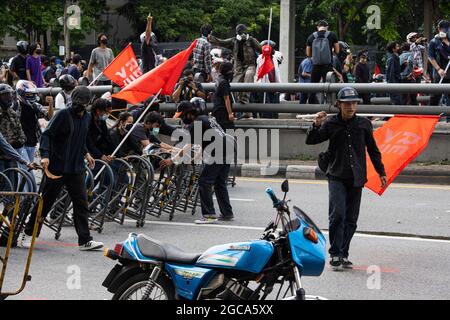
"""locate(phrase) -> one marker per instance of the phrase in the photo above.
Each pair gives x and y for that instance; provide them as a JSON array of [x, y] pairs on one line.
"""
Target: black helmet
[[348, 94], [22, 47], [7, 95], [200, 105], [67, 82]]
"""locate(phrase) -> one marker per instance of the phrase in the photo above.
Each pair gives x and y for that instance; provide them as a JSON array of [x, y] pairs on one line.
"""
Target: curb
[[415, 176]]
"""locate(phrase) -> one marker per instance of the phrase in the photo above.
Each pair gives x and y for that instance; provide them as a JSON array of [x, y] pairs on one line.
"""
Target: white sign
[[62, 50]]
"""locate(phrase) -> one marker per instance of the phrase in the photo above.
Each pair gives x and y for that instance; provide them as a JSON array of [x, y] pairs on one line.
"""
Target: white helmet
[[216, 55], [279, 56], [411, 35]]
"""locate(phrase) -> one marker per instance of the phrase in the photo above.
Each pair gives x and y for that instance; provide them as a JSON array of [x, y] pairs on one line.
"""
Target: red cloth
[[400, 141], [377, 70], [267, 65], [124, 69], [164, 77]]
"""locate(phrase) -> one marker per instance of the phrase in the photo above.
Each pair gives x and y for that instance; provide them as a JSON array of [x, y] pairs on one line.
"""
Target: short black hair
[[101, 104], [188, 72], [322, 23], [391, 46], [76, 58], [406, 47], [226, 68], [206, 29], [154, 117]]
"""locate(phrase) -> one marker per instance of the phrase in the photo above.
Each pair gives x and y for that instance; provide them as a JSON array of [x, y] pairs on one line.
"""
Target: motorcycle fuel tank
[[244, 256]]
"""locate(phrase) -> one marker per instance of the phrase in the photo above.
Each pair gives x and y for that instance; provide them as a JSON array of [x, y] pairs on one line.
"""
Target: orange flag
[[400, 141], [164, 77], [124, 69], [267, 65]]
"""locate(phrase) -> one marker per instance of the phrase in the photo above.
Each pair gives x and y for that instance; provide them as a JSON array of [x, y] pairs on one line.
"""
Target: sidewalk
[[308, 170]]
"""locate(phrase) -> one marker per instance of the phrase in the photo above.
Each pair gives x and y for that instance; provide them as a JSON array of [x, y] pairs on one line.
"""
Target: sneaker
[[91, 246], [207, 220], [224, 218], [347, 264], [335, 262], [25, 241]]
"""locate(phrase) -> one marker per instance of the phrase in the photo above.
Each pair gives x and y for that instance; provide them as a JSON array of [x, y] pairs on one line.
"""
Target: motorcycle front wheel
[[134, 289]]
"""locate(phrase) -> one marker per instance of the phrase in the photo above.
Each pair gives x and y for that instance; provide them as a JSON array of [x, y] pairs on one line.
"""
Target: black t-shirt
[[148, 55], [140, 133], [223, 89], [19, 66], [332, 39]]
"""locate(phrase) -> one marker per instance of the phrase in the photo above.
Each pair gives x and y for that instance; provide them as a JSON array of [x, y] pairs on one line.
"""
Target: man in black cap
[[320, 46], [345, 166], [63, 151], [245, 49]]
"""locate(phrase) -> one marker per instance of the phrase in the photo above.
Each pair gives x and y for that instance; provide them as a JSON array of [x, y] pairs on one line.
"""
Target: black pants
[[222, 117], [345, 202], [436, 99], [215, 175], [76, 187], [318, 73]]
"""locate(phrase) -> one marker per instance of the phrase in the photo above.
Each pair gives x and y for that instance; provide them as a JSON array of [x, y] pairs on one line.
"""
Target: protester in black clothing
[[216, 166], [350, 136], [19, 63], [321, 52], [63, 151], [118, 133], [393, 70], [98, 140], [362, 74], [149, 47], [223, 111]]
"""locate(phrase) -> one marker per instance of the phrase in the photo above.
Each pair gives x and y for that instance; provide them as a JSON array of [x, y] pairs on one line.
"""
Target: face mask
[[242, 37], [38, 51], [78, 108], [32, 99], [155, 131], [128, 127], [442, 35], [104, 41]]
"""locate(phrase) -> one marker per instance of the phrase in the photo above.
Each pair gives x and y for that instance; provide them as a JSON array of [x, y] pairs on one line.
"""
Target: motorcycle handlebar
[[273, 197]]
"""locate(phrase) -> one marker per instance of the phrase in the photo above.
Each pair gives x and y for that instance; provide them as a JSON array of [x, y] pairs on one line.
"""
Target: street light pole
[[66, 31]]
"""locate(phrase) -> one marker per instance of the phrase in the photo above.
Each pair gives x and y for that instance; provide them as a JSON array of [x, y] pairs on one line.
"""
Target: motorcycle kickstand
[[151, 282]]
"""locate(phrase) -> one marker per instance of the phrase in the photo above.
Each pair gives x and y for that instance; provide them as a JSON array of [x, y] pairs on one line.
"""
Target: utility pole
[[66, 31]]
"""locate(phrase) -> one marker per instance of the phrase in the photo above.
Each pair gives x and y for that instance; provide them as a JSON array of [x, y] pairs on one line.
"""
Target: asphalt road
[[390, 266]]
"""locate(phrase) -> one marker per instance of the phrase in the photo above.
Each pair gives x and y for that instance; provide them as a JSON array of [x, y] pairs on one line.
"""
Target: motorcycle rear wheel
[[134, 288]]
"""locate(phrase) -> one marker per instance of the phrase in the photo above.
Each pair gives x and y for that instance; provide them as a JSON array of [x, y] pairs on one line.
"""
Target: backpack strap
[[316, 35], [327, 34]]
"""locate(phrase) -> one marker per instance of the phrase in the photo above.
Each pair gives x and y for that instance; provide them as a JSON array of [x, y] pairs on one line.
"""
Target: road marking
[[314, 182], [56, 244], [230, 227], [240, 200]]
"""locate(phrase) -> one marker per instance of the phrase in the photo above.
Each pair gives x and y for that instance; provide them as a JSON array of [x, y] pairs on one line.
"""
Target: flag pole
[[130, 131], [270, 33], [95, 80], [446, 70]]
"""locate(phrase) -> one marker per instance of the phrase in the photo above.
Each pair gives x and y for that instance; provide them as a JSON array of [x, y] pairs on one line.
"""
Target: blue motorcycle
[[152, 270]]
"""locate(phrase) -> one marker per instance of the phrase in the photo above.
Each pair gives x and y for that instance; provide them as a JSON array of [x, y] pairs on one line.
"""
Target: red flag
[[400, 141], [124, 69], [377, 70], [164, 77], [267, 65]]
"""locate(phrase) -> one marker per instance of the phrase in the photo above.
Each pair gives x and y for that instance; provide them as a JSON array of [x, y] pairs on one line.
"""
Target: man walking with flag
[[345, 165]]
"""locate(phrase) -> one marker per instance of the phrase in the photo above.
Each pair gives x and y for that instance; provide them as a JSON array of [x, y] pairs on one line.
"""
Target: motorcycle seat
[[165, 252]]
